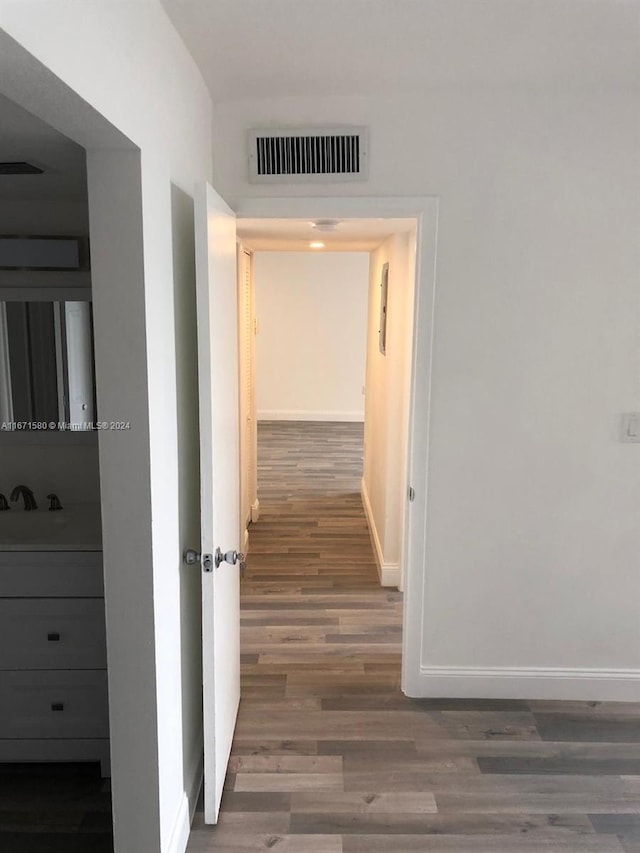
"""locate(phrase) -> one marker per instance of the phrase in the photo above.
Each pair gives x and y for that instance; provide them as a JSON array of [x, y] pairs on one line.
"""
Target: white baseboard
[[197, 778], [596, 685], [179, 837], [255, 511], [305, 415], [389, 573]]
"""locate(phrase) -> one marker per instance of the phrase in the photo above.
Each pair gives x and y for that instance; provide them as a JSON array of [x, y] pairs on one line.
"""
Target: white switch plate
[[630, 427]]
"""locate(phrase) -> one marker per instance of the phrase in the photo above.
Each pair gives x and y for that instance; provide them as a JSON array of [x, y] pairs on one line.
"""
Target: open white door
[[215, 237]]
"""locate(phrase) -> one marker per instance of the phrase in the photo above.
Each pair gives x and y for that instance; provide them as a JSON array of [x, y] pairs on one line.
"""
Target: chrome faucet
[[54, 502], [27, 494], [4, 506]]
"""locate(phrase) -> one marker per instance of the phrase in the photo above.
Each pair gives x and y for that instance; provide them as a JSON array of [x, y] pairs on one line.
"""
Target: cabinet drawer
[[52, 633], [46, 574], [54, 704]]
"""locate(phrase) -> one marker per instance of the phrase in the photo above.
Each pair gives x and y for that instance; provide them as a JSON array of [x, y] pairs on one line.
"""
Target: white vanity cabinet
[[53, 661]]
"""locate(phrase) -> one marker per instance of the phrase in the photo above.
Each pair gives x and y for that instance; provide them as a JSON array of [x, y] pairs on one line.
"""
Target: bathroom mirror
[[46, 366]]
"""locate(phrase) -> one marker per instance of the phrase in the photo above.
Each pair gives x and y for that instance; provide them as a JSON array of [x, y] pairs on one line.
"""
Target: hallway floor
[[330, 756]]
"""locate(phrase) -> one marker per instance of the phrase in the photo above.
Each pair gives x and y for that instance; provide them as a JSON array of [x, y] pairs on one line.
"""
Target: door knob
[[192, 557], [231, 557]]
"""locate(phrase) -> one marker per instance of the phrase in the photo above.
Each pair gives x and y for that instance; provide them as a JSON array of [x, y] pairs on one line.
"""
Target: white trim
[[550, 683], [327, 207], [255, 511], [414, 544], [389, 573], [306, 415], [245, 542], [373, 530], [196, 775], [179, 837]]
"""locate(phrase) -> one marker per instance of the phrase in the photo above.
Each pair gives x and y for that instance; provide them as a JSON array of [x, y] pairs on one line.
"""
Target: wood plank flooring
[[330, 756], [54, 808]]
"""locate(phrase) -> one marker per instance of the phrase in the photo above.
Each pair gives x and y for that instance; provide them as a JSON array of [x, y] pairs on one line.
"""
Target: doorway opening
[[113, 189], [54, 726], [424, 211]]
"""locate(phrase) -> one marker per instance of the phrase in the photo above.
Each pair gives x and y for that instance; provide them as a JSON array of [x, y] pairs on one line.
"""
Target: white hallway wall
[[126, 61], [533, 534], [384, 482], [311, 309]]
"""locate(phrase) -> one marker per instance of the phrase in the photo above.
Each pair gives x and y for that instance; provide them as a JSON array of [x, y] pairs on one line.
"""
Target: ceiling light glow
[[316, 245]]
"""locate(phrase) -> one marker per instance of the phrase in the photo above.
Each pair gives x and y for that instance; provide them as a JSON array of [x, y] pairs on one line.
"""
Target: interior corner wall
[[529, 579], [311, 309], [384, 481], [118, 80]]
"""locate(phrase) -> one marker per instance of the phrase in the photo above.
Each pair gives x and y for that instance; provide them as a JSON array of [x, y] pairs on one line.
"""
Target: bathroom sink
[[19, 526], [74, 527], [34, 520]]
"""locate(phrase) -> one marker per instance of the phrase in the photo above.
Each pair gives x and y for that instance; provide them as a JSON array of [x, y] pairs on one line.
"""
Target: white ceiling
[[271, 48], [295, 235], [23, 137]]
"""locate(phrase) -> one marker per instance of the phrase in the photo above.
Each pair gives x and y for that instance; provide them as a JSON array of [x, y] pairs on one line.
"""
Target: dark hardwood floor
[[330, 756], [54, 808]]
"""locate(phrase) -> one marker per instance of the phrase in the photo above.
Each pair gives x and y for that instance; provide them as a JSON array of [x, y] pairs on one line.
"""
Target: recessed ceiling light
[[316, 245]]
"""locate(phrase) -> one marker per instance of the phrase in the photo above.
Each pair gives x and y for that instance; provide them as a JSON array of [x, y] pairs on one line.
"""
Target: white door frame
[[424, 209]]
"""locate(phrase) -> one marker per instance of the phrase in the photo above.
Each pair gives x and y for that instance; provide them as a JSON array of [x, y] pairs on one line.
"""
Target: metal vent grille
[[303, 154]]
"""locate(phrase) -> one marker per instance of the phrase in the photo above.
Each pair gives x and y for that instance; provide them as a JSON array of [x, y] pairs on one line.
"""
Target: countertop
[[76, 527]]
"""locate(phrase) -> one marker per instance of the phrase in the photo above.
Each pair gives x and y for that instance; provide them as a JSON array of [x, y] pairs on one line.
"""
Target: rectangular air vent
[[19, 168], [308, 154]]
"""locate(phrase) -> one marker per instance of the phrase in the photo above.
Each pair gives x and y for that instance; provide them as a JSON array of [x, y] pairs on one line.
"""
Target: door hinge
[[411, 493]]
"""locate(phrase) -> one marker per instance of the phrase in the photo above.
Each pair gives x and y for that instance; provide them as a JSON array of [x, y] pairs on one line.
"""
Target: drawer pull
[[53, 637], [57, 706]]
